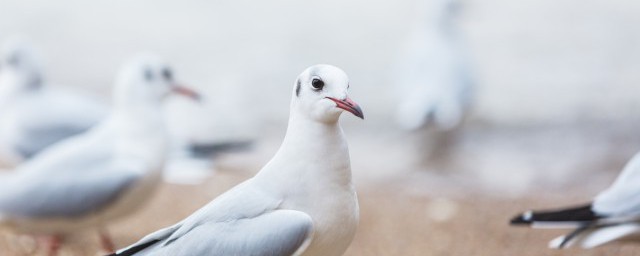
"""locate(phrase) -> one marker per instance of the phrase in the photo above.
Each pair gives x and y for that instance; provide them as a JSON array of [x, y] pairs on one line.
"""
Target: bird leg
[[105, 241], [51, 244]]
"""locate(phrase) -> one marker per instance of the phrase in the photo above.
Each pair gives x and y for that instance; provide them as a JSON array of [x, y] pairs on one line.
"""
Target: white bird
[[302, 202], [88, 180], [35, 114], [614, 214], [433, 73]]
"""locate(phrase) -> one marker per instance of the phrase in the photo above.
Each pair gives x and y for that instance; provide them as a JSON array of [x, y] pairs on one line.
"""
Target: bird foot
[[105, 241]]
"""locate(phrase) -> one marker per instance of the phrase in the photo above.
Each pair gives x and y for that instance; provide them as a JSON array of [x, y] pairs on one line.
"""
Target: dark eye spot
[[298, 88], [167, 74], [148, 74], [317, 84]]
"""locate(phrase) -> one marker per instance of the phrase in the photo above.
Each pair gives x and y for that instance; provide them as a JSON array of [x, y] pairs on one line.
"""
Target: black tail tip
[[521, 219]]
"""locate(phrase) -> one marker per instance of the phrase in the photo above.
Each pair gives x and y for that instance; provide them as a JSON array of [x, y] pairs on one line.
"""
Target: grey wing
[[64, 195], [280, 232], [207, 150], [146, 242], [53, 116], [38, 138]]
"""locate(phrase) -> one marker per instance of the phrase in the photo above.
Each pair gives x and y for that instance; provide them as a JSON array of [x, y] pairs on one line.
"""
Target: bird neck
[[15, 87], [140, 135], [314, 152]]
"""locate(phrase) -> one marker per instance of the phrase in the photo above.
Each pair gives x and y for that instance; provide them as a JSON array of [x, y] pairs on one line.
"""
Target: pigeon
[[432, 72], [302, 202], [36, 115], [613, 214], [106, 173]]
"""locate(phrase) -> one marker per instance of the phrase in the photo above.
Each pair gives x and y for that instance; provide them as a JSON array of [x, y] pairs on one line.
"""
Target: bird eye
[[167, 74], [148, 74], [317, 84]]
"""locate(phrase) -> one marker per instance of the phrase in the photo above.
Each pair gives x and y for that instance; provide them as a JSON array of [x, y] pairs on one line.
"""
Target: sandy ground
[[392, 223]]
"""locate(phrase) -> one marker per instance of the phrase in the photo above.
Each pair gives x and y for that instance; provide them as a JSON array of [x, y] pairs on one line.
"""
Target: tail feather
[[559, 243], [567, 240], [211, 149], [577, 217], [135, 249], [593, 236], [608, 234]]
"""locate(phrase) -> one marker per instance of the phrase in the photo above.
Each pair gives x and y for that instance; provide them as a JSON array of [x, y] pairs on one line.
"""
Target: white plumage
[[300, 203], [88, 180], [35, 114]]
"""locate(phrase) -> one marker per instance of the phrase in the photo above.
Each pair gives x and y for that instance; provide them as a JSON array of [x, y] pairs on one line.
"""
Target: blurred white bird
[[301, 203], [614, 214], [88, 180], [433, 73], [35, 114]]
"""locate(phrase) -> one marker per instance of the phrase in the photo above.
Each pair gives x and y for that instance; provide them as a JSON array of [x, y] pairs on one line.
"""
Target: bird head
[[147, 79], [321, 93], [20, 67]]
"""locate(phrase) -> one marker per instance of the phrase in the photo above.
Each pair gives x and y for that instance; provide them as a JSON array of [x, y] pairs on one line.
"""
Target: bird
[[36, 114], [108, 172], [302, 202], [612, 215], [433, 71]]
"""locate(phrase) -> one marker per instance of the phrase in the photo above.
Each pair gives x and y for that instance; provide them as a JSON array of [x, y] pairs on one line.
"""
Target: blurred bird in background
[[434, 77], [613, 214], [88, 180], [35, 114]]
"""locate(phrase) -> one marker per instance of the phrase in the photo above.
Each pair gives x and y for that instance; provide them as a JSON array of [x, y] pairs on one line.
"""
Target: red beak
[[184, 91], [348, 105]]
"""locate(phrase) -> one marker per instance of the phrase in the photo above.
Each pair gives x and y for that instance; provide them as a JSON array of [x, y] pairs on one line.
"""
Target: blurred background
[[552, 120]]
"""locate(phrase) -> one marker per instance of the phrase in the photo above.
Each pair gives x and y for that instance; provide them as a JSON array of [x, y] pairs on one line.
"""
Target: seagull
[[433, 71], [35, 114], [106, 173], [302, 202], [613, 214]]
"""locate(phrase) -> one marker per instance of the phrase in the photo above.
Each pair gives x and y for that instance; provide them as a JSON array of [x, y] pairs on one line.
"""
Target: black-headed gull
[[108, 172], [433, 74], [301, 203], [34, 114], [614, 214]]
